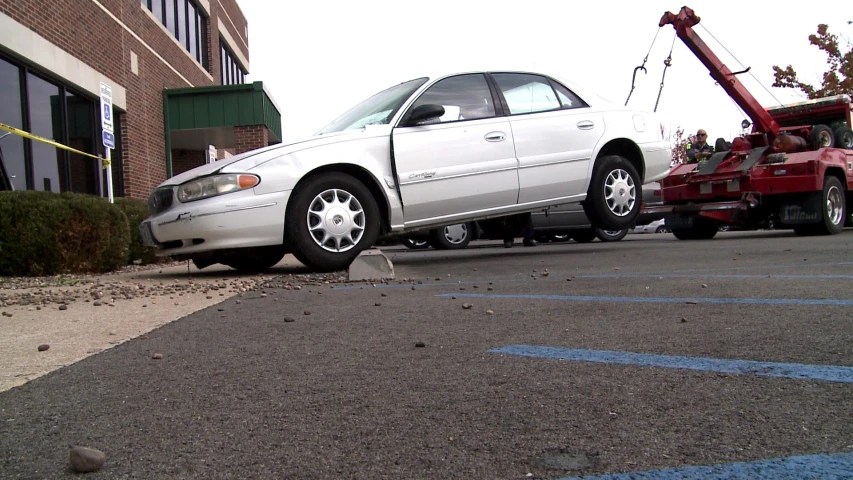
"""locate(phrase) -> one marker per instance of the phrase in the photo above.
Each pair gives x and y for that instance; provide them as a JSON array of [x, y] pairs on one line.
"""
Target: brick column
[[183, 160], [250, 137]]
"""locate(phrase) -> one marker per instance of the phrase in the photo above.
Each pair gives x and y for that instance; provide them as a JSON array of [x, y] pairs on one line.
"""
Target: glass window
[[157, 9], [464, 97], [170, 15], [567, 98], [527, 93], [45, 121], [223, 62], [182, 23], [83, 171], [376, 110], [12, 146], [192, 38]]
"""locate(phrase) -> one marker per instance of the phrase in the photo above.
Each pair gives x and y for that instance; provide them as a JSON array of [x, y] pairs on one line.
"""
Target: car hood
[[248, 160]]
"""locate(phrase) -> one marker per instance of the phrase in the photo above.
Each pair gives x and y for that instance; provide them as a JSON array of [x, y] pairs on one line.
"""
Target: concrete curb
[[371, 264]]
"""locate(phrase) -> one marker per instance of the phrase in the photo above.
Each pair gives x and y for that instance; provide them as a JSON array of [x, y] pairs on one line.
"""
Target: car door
[[463, 161], [554, 133]]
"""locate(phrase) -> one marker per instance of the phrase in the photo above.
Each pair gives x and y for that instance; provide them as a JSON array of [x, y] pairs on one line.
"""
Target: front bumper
[[236, 220]]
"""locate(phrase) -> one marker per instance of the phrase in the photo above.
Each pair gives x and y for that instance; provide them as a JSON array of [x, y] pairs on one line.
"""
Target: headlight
[[216, 185]]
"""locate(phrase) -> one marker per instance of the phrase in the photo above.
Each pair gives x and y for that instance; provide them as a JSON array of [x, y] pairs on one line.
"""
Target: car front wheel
[[615, 190], [415, 243], [452, 237], [610, 235], [330, 220]]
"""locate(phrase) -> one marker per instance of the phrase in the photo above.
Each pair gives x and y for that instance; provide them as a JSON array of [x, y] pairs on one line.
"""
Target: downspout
[[167, 133]]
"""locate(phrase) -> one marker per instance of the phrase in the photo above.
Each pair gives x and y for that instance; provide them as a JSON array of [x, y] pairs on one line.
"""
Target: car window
[[527, 93], [464, 97], [567, 98], [376, 110]]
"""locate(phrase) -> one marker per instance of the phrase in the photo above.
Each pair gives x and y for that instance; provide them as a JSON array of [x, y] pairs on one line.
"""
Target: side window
[[527, 93], [464, 97], [567, 98]]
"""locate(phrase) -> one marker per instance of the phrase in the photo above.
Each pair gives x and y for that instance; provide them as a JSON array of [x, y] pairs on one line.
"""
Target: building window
[[185, 20], [231, 73], [47, 108]]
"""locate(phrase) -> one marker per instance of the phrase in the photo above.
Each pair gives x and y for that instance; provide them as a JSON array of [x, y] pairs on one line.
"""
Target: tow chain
[[666, 64], [641, 67]]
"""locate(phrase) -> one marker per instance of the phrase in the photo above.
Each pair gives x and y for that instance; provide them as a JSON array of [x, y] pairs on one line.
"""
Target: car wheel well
[[365, 178], [627, 149]]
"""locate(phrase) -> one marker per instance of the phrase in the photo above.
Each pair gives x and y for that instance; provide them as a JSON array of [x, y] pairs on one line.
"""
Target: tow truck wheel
[[615, 194], [822, 137], [844, 138], [701, 230], [834, 211]]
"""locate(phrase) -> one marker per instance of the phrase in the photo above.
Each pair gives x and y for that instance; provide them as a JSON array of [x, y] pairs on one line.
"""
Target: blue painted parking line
[[732, 276], [829, 373], [825, 467], [714, 300]]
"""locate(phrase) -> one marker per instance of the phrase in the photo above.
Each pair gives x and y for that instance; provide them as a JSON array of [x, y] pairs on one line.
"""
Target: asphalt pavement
[[645, 358]]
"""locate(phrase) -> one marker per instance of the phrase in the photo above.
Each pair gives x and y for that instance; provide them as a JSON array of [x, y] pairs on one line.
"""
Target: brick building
[[177, 69]]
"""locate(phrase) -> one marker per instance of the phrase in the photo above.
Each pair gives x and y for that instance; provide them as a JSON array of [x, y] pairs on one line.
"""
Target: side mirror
[[424, 112]]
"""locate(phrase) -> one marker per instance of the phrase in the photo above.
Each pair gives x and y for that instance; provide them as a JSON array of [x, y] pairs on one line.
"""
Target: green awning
[[201, 116]]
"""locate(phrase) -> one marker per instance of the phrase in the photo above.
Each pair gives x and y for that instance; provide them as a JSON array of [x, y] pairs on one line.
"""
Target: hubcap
[[456, 234], [824, 139], [620, 192], [834, 207], [336, 220]]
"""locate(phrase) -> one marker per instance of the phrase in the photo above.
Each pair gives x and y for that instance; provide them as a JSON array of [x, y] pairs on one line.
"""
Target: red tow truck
[[788, 170]]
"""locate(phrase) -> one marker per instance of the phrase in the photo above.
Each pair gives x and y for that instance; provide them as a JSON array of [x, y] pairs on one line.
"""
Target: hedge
[[136, 211], [45, 233]]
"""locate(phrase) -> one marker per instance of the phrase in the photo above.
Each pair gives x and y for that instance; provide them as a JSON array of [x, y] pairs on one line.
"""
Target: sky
[[318, 59]]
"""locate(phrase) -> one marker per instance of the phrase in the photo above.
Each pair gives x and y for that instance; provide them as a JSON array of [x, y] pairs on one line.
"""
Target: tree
[[837, 80], [679, 147]]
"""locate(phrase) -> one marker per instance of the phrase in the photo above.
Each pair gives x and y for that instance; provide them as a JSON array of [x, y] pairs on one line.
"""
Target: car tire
[[662, 229], [583, 236], [610, 235], [833, 211], [414, 244], [822, 137], [343, 199], [701, 230], [452, 237], [255, 260], [613, 174], [844, 138]]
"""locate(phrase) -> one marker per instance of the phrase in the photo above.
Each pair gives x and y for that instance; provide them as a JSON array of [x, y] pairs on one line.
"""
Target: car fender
[[368, 153]]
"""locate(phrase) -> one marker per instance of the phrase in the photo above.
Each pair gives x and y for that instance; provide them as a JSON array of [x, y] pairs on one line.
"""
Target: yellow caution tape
[[37, 138]]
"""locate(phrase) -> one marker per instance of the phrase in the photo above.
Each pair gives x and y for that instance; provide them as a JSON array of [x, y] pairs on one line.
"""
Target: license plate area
[[147, 235], [678, 221], [706, 188]]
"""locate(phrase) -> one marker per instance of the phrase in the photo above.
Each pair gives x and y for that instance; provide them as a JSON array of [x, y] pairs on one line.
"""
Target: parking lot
[[650, 356]]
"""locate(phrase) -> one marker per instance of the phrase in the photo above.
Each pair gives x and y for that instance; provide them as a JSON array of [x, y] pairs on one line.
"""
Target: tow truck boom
[[683, 23]]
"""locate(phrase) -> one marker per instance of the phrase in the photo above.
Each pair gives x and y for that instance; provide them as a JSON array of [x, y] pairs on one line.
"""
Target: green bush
[[44, 233], [136, 211]]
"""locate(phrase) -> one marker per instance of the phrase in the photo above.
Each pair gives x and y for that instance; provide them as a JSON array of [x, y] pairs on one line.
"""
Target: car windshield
[[376, 110]]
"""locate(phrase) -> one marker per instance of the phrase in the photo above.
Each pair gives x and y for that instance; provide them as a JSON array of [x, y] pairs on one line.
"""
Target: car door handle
[[585, 125], [495, 137]]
